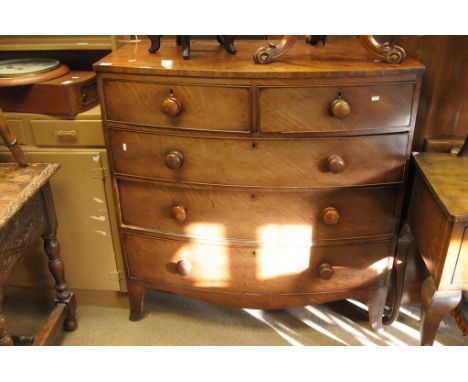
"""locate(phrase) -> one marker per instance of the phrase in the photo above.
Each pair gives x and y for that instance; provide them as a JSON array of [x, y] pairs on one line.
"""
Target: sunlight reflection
[[318, 313], [381, 265], [359, 304], [210, 265], [259, 315], [206, 231], [409, 331], [166, 64], [410, 314], [286, 234], [360, 337], [393, 339], [276, 261], [318, 327]]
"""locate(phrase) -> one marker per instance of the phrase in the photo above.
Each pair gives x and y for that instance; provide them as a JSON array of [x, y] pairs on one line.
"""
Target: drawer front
[[264, 216], [256, 269], [68, 133], [215, 108], [302, 109], [317, 162]]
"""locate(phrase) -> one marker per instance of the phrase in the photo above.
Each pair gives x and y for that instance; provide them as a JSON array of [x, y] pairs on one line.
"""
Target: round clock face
[[25, 66]]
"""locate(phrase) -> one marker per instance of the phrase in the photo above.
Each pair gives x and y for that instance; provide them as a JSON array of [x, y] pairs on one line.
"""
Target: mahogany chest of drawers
[[261, 186]]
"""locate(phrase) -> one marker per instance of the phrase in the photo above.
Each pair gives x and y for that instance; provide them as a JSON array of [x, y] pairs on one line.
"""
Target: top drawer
[[198, 107], [335, 108]]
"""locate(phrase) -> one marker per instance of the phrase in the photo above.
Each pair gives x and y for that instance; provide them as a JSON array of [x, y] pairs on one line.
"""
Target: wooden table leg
[[52, 249], [5, 338], [435, 305]]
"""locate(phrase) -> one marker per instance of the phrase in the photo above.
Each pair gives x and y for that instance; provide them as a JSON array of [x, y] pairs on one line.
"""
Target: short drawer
[[335, 108], [264, 269], [68, 133], [198, 107], [259, 215], [307, 162]]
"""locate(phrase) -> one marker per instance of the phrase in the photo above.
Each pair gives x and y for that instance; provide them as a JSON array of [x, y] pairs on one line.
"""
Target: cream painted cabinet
[[82, 196]]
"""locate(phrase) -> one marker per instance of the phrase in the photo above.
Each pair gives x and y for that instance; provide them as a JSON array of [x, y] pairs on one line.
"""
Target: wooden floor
[[175, 320]]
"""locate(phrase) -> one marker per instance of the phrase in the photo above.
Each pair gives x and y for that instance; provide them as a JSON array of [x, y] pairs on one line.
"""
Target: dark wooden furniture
[[262, 186], [27, 211], [184, 41], [442, 122], [438, 229]]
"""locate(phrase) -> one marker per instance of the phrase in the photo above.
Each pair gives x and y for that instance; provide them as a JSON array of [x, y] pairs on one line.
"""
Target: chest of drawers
[[258, 186]]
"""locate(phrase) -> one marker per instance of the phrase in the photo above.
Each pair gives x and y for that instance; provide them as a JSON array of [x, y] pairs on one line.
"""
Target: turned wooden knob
[[326, 271], [174, 160], [183, 267], [179, 213], [339, 108], [330, 216], [336, 163], [172, 106]]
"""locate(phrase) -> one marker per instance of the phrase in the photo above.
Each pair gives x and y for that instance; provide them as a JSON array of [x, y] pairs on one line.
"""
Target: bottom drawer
[[240, 269]]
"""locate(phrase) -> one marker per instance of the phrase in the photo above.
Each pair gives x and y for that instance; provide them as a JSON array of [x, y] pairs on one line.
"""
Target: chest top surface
[[447, 178], [19, 184], [339, 58]]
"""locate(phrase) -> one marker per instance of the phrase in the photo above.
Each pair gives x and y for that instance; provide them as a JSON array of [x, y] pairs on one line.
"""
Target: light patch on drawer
[[100, 218], [375, 98], [211, 267], [275, 261], [124, 146]]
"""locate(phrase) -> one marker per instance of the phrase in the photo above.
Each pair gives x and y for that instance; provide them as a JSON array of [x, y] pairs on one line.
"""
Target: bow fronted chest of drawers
[[261, 186]]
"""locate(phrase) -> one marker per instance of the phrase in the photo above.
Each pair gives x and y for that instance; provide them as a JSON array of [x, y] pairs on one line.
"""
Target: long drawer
[[335, 108], [307, 162], [285, 270], [259, 215], [199, 107]]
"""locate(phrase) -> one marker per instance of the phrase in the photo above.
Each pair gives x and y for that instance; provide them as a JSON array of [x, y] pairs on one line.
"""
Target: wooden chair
[[27, 211]]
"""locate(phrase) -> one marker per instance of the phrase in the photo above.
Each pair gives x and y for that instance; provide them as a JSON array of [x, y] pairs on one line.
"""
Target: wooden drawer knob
[[179, 213], [330, 216], [326, 271], [336, 164], [339, 108], [174, 160], [172, 106], [183, 267]]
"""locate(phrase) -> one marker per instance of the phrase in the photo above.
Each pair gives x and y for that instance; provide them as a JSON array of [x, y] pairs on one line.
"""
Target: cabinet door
[[84, 229]]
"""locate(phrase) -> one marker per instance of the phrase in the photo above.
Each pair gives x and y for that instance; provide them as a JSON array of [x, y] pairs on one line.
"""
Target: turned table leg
[[5, 338], [435, 305], [56, 266]]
